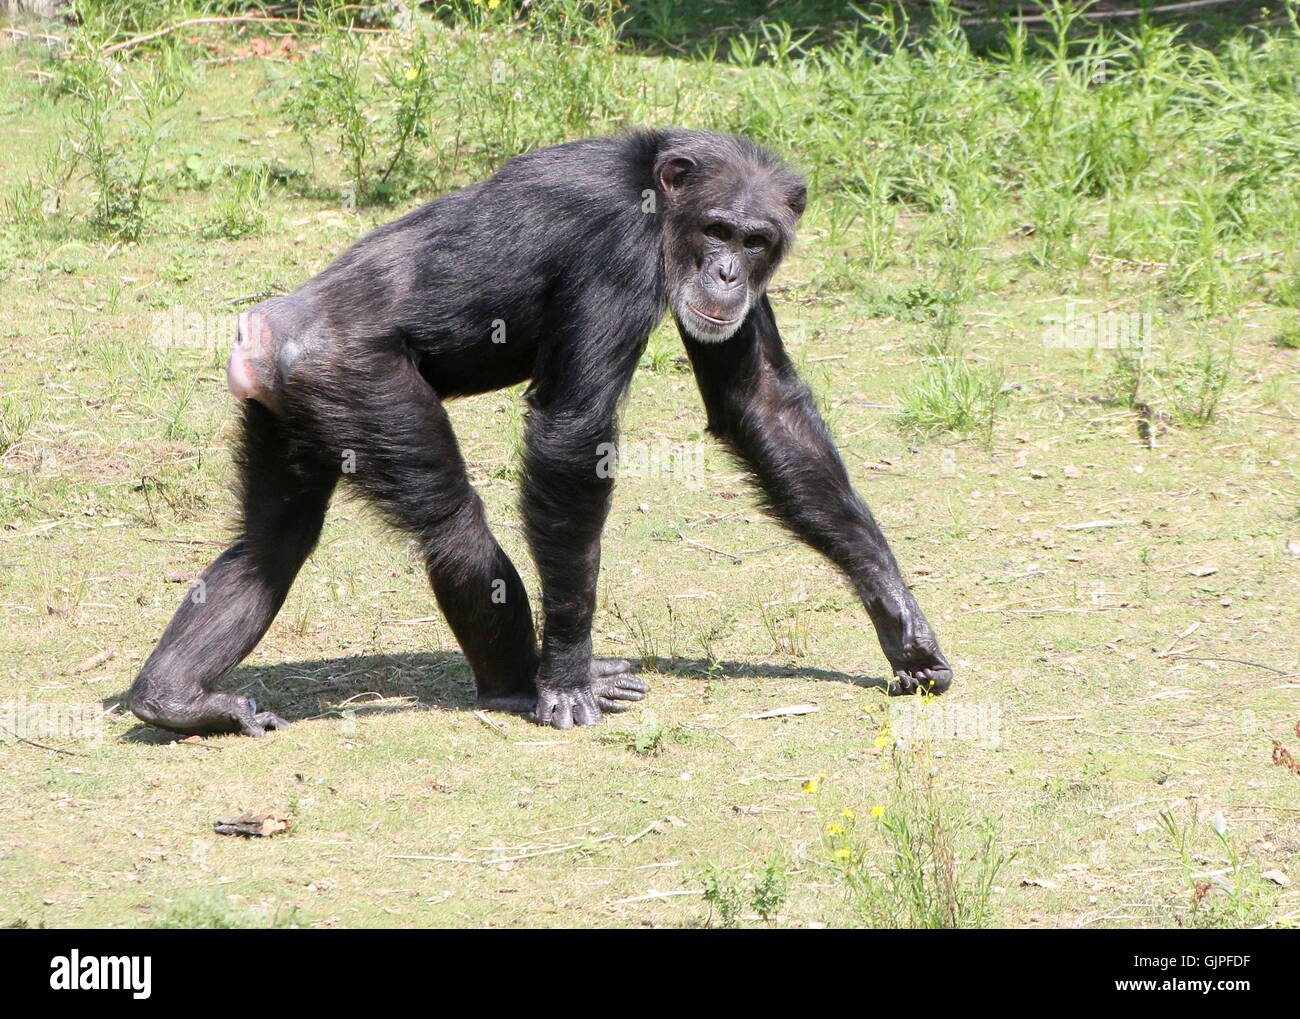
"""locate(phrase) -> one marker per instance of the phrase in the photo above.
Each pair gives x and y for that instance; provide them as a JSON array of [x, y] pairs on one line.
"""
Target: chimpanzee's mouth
[[709, 318]]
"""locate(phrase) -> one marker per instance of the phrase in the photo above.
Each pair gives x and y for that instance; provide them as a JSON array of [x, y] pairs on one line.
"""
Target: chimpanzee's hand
[[920, 667], [913, 652], [611, 686]]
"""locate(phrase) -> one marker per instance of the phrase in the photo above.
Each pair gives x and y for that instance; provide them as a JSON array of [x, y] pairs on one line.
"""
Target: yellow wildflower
[[813, 784], [877, 811], [412, 74], [835, 828], [842, 854], [848, 813], [882, 741]]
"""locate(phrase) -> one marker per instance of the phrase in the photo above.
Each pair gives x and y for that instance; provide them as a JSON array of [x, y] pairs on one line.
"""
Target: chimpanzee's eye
[[718, 231], [756, 242]]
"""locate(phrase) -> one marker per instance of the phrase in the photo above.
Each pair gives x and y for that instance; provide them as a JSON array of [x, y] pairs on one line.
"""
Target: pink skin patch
[[249, 356]]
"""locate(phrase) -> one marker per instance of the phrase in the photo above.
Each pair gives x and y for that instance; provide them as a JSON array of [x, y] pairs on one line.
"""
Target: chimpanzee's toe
[[565, 707], [615, 685], [256, 723]]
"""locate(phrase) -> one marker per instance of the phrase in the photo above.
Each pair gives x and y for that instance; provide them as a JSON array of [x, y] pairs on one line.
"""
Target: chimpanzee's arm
[[761, 409], [583, 368]]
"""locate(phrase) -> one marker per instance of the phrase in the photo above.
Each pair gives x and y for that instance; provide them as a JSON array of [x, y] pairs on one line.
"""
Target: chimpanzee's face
[[724, 236], [732, 253]]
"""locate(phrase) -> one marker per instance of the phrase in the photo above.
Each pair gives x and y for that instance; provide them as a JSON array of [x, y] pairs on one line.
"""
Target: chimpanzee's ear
[[673, 172], [798, 198]]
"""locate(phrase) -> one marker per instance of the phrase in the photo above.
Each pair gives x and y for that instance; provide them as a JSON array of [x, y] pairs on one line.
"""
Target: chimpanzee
[[555, 270]]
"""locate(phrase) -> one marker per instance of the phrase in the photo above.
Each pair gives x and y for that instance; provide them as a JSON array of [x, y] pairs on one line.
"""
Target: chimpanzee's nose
[[728, 272]]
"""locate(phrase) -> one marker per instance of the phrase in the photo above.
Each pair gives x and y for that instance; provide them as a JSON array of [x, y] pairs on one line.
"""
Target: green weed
[[921, 859]]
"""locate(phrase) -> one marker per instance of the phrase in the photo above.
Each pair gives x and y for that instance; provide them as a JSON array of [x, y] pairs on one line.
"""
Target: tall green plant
[[378, 112], [118, 120]]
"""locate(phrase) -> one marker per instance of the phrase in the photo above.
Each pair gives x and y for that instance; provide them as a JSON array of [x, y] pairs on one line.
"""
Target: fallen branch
[[1216, 658], [708, 548], [40, 746], [1186, 633], [237, 19], [793, 709], [95, 661], [1103, 15], [482, 716], [510, 859]]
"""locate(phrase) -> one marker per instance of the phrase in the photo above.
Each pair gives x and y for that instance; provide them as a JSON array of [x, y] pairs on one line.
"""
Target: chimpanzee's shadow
[[377, 684], [700, 668]]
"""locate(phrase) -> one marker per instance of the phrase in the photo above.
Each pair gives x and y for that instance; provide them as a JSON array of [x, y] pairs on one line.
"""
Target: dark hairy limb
[[232, 604], [758, 406], [405, 458], [566, 495]]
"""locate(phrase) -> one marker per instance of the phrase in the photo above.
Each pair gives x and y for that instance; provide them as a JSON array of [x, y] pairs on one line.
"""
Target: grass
[[930, 863], [1104, 536], [952, 395]]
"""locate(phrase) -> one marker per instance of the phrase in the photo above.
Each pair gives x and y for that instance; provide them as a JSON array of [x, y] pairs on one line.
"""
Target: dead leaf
[[1203, 571], [1283, 757], [254, 825], [1040, 882], [1277, 877]]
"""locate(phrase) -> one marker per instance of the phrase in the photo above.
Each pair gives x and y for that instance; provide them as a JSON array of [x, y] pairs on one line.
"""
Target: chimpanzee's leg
[[231, 605], [401, 451]]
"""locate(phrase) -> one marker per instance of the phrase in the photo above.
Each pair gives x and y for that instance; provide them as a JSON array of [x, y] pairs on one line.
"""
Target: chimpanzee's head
[[730, 209]]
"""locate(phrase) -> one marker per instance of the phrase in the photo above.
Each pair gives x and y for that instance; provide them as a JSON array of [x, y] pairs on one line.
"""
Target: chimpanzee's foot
[[612, 687], [206, 715]]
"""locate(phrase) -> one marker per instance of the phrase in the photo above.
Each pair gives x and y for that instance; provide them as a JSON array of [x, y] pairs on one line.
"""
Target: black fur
[[553, 271]]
